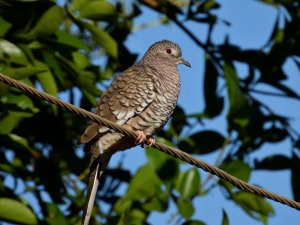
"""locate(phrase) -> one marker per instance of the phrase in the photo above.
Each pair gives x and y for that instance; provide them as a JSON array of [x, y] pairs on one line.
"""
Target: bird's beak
[[183, 61]]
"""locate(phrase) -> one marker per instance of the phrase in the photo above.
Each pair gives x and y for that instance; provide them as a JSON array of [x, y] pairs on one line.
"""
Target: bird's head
[[167, 50]]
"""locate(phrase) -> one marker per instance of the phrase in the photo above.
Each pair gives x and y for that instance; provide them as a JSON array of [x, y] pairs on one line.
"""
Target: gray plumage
[[142, 98]]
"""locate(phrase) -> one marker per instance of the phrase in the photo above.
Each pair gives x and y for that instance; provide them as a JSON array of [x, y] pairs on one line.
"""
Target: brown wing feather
[[127, 96]]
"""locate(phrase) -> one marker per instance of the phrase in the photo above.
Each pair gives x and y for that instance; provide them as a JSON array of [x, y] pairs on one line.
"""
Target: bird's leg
[[141, 138]]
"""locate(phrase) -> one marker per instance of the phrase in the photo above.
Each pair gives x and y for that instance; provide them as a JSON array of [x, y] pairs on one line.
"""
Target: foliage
[[53, 46]]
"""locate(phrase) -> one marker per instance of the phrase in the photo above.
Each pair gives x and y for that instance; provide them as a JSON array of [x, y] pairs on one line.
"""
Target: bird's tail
[[96, 170]]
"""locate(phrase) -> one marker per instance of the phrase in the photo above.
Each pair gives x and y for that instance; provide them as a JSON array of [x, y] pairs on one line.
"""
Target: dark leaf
[[178, 120], [297, 144], [213, 103], [274, 135], [202, 142], [165, 166], [225, 220], [274, 162], [193, 222], [207, 6], [295, 177], [120, 174]]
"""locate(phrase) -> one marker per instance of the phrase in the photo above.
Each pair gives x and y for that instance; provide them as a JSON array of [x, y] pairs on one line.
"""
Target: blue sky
[[251, 24]]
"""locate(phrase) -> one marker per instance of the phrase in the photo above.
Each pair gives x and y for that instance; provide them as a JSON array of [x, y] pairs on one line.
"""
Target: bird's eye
[[169, 51]]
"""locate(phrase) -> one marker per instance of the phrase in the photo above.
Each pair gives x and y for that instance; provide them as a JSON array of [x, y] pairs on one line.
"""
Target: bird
[[141, 98]]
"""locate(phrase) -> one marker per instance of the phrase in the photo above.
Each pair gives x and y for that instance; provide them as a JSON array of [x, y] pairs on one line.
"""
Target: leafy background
[[238, 109]]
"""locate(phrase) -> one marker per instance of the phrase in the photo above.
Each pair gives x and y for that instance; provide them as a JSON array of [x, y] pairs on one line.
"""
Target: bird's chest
[[167, 91]]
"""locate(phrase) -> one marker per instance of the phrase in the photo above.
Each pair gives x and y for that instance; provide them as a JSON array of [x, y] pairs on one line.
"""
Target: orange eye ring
[[168, 50]]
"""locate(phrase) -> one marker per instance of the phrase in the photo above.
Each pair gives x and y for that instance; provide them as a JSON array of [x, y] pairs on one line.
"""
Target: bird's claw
[[141, 138]]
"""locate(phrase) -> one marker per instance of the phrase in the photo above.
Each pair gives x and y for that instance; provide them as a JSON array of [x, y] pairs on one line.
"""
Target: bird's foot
[[141, 138], [151, 141]]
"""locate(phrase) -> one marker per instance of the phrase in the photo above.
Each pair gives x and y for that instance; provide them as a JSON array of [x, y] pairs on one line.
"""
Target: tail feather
[[96, 170]]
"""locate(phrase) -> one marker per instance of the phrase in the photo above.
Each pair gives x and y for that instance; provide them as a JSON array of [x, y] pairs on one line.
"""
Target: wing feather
[[128, 95]]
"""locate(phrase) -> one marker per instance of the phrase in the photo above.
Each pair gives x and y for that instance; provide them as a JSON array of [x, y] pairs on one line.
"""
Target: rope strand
[[242, 185]]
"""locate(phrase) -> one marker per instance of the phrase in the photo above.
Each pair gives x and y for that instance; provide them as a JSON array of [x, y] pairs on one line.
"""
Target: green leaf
[[253, 205], [11, 119], [22, 143], [19, 140], [55, 216], [23, 72], [4, 26], [35, 45], [48, 82], [19, 100], [164, 165], [238, 101], [225, 220], [53, 63], [12, 53], [274, 162], [144, 185], [188, 183], [48, 23], [7, 123], [185, 208], [81, 60], [86, 80], [238, 169], [158, 202], [70, 40], [47, 79], [97, 10], [102, 38], [202, 142], [10, 208], [77, 4], [135, 217]]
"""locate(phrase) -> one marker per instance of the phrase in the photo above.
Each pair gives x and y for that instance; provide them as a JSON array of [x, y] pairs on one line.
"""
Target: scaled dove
[[142, 98]]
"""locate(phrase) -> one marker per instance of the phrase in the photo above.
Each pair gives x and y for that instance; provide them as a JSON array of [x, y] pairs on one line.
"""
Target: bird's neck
[[166, 69]]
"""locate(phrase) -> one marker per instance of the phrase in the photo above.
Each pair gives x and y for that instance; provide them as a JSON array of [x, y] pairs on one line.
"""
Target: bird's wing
[[127, 96]]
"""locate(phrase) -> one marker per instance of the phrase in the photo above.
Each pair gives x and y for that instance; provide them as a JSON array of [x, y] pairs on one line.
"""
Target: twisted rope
[[161, 147]]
